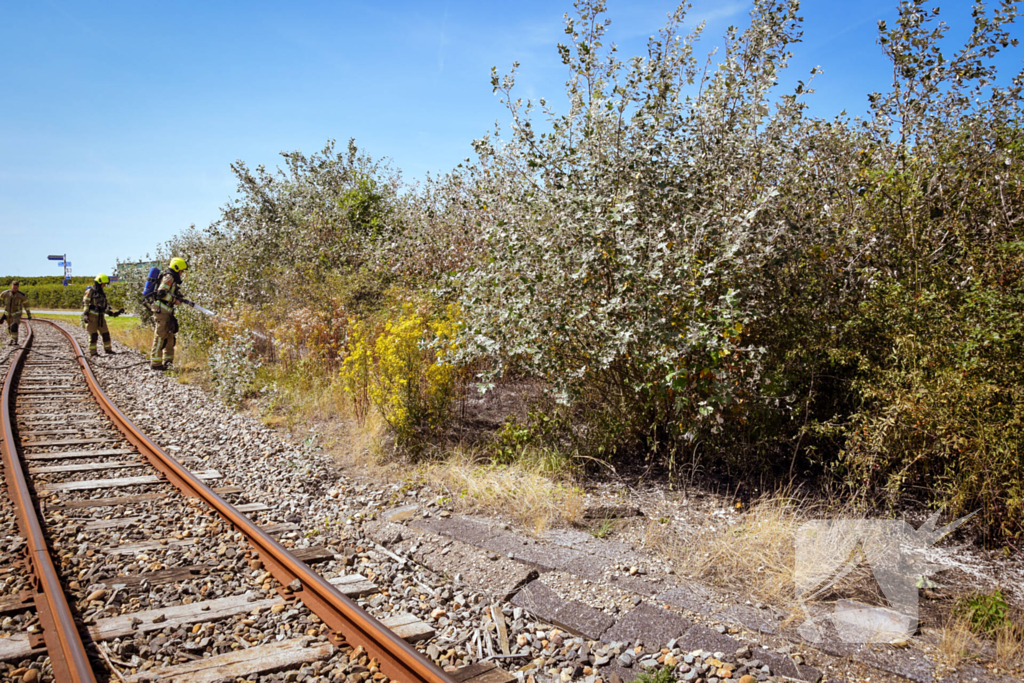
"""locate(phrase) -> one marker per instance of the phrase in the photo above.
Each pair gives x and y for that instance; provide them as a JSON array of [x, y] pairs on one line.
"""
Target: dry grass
[[532, 490], [536, 490], [1009, 644], [956, 641], [757, 557]]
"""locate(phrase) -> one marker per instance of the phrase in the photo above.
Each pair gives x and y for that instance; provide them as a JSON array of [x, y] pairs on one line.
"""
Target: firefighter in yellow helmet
[[165, 325], [95, 310], [13, 303]]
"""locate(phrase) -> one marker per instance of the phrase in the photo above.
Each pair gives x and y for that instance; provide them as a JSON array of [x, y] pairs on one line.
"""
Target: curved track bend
[[60, 432]]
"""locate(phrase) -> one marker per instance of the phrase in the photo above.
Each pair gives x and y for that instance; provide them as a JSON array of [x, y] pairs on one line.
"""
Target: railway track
[[119, 563]]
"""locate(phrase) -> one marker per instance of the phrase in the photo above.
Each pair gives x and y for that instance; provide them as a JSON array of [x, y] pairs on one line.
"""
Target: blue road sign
[[58, 257]]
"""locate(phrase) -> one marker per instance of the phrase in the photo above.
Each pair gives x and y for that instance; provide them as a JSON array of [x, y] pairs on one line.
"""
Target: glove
[[114, 314]]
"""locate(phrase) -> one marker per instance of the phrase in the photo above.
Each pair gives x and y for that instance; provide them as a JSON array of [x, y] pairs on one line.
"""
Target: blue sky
[[119, 120]]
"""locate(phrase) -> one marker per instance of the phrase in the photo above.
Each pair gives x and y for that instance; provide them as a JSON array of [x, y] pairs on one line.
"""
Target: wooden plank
[[176, 616], [225, 490], [16, 603], [61, 418], [281, 528], [144, 546], [408, 627], [253, 507], [80, 454], [87, 467], [495, 675], [482, 672], [247, 663], [106, 502], [90, 484], [111, 523], [353, 585], [52, 432], [313, 554], [70, 442], [157, 578], [52, 392], [16, 648]]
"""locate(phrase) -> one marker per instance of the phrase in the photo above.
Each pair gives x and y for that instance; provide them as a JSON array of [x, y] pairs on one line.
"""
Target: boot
[[157, 367]]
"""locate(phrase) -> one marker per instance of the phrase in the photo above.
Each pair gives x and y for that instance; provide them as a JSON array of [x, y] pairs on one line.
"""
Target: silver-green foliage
[[618, 236], [233, 365]]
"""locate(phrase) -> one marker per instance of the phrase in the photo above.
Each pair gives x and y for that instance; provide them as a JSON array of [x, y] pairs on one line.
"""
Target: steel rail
[[60, 633], [398, 660]]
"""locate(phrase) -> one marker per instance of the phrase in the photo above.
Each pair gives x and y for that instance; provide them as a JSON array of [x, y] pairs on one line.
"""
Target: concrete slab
[[904, 662], [584, 542], [691, 596], [547, 556], [499, 578], [761, 620], [588, 567], [700, 637], [465, 530], [651, 625], [573, 616], [781, 665]]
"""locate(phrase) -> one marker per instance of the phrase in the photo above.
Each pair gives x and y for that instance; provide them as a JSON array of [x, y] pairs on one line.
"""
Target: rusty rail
[[398, 660], [60, 633]]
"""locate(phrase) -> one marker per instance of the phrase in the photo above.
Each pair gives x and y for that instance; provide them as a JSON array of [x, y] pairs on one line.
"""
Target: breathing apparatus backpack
[[152, 281]]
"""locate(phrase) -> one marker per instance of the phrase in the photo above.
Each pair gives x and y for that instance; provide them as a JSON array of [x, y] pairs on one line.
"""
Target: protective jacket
[[14, 303], [94, 303], [167, 294]]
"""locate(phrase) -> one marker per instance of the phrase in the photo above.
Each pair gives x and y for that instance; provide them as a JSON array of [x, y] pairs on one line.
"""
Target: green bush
[[986, 613]]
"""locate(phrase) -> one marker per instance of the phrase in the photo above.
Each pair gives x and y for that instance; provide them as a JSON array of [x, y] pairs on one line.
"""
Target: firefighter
[[165, 325], [95, 310], [14, 303]]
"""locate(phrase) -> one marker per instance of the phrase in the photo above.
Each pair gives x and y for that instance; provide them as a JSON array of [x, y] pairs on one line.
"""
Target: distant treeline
[[5, 282], [49, 292]]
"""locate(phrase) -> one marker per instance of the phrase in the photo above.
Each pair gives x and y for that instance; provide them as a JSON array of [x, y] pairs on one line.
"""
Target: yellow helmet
[[103, 279], [178, 265]]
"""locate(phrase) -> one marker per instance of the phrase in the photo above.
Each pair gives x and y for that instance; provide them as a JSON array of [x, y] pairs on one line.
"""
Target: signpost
[[62, 260]]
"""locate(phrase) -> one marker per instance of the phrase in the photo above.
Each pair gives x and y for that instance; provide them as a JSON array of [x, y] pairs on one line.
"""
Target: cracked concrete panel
[[761, 620], [781, 665], [703, 638], [550, 557], [570, 615], [584, 542], [465, 530], [649, 625], [907, 663], [691, 596]]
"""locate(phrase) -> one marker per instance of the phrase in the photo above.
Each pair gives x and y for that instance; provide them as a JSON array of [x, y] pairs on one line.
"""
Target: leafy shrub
[[233, 365], [405, 372], [986, 613]]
